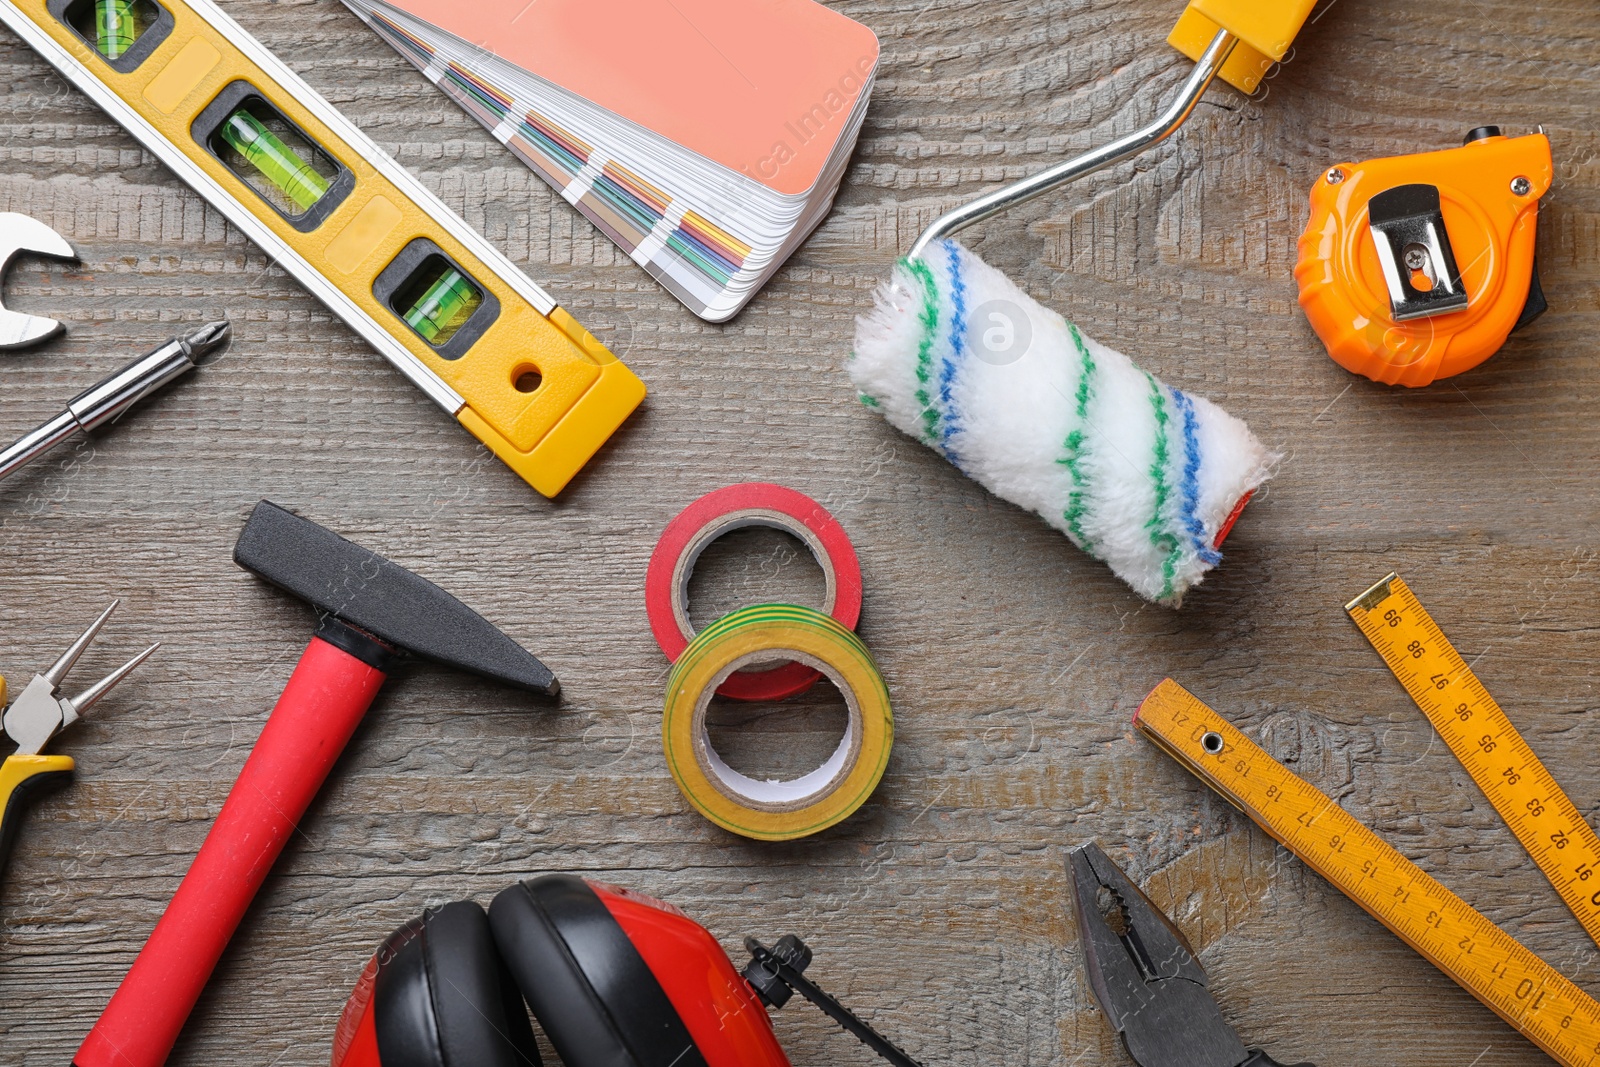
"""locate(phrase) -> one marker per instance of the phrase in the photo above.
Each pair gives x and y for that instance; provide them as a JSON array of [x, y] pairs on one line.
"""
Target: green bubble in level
[[114, 27], [441, 310], [293, 176]]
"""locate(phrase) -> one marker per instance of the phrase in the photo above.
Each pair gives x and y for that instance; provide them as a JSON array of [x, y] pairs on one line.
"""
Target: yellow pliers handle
[[23, 777]]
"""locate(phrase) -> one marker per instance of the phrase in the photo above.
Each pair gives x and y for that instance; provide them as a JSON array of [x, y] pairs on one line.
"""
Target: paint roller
[[1135, 472]]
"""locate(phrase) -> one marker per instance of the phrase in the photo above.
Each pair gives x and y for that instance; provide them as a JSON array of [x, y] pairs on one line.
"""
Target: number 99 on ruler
[[351, 225]]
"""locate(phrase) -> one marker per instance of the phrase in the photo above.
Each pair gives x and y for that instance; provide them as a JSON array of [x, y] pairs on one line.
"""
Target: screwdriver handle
[[23, 778], [324, 701]]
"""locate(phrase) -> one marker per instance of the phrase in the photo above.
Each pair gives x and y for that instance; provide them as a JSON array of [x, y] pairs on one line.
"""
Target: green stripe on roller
[[930, 326], [1078, 501], [1160, 536], [867, 399]]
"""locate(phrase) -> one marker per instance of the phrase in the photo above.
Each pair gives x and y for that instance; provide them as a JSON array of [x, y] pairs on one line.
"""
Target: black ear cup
[[443, 998], [588, 986]]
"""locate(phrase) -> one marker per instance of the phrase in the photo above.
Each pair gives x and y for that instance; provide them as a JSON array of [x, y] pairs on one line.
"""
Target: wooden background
[[941, 910]]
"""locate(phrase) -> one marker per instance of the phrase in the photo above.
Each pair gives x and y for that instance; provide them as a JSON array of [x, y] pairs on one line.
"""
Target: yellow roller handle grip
[[1265, 28], [22, 778]]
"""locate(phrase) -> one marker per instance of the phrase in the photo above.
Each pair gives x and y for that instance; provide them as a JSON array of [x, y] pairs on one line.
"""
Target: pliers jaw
[[1144, 974], [41, 712]]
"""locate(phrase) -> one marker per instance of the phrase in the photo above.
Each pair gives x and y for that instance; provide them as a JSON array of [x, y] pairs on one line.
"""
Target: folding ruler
[[353, 226], [1483, 959], [1536, 809]]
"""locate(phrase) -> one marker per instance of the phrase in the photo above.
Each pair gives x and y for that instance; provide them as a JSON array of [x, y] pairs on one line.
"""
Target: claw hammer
[[373, 612]]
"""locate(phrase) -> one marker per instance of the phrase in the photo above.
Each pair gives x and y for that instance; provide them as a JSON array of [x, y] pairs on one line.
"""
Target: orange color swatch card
[[706, 137]]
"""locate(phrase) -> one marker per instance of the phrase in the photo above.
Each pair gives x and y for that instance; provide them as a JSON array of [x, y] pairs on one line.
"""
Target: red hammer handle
[[320, 708]]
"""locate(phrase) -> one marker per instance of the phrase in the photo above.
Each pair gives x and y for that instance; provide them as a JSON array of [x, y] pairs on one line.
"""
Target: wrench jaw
[[21, 234], [22, 331]]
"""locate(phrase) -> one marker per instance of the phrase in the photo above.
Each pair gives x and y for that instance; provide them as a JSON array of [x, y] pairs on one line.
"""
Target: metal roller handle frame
[[1021, 192]]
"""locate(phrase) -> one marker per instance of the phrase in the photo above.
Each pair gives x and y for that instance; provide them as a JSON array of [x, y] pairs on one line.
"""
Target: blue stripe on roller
[[1191, 480], [958, 349]]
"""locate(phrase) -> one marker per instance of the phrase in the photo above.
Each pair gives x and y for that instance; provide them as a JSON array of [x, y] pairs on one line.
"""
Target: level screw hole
[[527, 381]]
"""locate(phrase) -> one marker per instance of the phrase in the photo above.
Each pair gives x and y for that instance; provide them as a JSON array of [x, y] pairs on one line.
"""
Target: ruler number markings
[[1474, 726], [1519, 986]]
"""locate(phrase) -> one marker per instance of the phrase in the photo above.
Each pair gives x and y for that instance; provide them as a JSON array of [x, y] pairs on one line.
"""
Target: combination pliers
[[35, 717], [1146, 977]]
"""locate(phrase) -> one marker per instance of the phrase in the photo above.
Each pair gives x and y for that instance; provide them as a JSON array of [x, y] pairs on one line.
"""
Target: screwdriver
[[108, 400]]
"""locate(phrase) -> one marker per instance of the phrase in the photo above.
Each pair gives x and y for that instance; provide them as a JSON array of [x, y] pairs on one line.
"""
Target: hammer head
[[19, 234], [382, 598]]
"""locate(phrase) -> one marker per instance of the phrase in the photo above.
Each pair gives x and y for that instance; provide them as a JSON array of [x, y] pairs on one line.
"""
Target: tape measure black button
[[1480, 133]]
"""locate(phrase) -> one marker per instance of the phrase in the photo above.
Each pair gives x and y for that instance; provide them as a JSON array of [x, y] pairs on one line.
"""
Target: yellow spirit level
[[364, 236]]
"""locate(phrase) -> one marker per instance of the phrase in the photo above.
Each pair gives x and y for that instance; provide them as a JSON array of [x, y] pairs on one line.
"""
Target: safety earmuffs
[[615, 979]]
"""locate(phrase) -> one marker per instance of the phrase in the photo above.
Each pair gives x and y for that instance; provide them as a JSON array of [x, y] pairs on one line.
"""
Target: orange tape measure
[[1467, 718], [1448, 932], [1413, 268]]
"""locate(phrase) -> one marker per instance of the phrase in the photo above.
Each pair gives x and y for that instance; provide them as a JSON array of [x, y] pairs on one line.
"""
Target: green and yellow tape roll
[[777, 811]]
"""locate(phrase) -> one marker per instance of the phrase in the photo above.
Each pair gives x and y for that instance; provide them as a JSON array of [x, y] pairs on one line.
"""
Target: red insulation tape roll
[[738, 507]]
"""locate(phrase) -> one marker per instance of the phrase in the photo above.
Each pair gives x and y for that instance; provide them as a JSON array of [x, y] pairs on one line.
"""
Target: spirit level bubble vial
[[354, 227]]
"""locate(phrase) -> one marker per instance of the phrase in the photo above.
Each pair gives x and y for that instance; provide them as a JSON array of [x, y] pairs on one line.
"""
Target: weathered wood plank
[[941, 910]]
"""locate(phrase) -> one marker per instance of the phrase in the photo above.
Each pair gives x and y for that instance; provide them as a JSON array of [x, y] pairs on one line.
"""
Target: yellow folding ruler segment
[[1525, 794], [1483, 959], [352, 225]]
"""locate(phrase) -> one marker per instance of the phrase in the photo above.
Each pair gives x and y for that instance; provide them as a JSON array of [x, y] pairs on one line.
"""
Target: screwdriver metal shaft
[[108, 400]]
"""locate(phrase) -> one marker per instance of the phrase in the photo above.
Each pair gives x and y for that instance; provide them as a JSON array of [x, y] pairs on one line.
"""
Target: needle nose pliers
[[38, 715], [1146, 977]]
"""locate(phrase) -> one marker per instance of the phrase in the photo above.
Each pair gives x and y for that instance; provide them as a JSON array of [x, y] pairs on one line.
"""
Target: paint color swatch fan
[[705, 137]]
